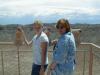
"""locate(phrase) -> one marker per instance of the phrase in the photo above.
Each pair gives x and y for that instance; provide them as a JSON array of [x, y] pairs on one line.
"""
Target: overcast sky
[[36, 8]]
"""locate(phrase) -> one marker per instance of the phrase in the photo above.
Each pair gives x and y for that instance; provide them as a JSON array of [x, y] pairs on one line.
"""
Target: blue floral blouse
[[64, 55]]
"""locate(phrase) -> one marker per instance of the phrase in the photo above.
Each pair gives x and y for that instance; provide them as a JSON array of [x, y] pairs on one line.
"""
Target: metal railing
[[92, 53], [84, 57], [6, 54], [82, 61]]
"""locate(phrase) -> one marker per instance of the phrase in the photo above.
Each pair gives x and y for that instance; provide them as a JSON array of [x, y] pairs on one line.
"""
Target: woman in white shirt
[[40, 44]]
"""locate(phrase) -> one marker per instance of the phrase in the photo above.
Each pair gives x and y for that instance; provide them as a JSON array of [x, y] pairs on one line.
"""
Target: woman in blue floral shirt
[[64, 52]]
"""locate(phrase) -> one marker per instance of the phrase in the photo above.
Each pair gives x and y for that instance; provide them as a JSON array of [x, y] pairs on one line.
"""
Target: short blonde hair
[[39, 23]]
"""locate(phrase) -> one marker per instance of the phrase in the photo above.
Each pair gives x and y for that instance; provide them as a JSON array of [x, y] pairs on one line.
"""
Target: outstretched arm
[[25, 39], [28, 42]]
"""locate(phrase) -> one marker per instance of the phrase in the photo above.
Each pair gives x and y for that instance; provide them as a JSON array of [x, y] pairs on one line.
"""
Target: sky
[[48, 11]]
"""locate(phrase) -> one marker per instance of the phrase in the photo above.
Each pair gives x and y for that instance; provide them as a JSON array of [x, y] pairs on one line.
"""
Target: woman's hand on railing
[[53, 42]]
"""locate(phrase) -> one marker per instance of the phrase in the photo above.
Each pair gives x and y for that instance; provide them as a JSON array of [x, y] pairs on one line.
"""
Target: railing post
[[18, 61], [2, 62], [90, 60], [84, 62]]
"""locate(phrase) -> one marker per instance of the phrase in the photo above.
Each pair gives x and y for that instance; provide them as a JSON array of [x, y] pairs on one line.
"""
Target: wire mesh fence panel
[[0, 63], [81, 67], [96, 66], [10, 63], [26, 60], [9, 55], [10, 60], [25, 63], [96, 63]]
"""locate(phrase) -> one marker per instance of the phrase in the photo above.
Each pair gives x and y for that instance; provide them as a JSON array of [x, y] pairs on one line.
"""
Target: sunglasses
[[60, 27]]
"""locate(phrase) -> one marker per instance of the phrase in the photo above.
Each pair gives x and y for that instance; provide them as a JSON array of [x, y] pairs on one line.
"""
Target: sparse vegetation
[[90, 33]]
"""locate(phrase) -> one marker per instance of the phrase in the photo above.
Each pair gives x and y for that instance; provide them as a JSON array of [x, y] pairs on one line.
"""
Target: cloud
[[46, 7]]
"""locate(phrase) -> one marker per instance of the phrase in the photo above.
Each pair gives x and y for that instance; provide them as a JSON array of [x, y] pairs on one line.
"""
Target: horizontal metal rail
[[91, 44]]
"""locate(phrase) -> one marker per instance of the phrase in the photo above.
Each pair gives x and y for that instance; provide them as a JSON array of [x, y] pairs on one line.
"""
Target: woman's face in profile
[[61, 29]]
